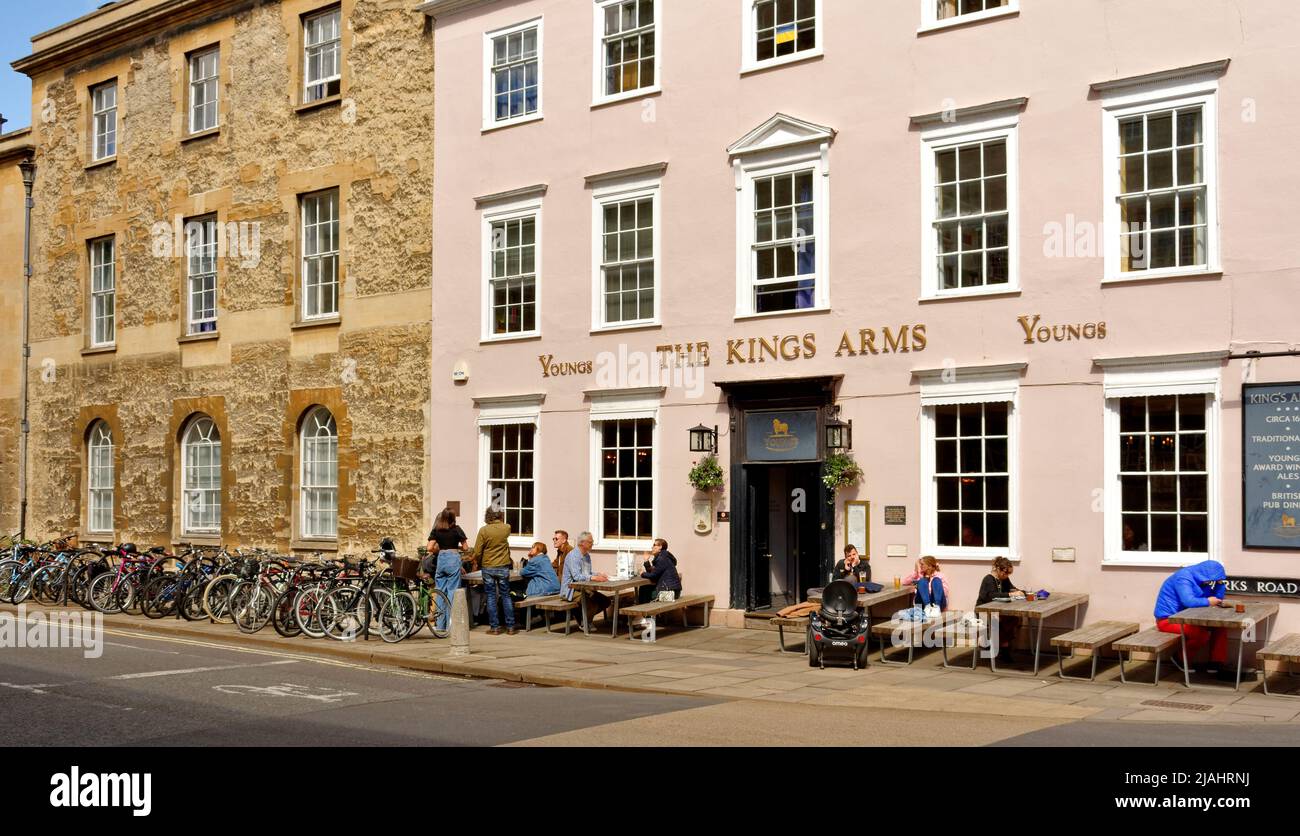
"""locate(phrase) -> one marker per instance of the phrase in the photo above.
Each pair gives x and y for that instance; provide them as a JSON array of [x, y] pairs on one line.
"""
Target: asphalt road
[[185, 692]]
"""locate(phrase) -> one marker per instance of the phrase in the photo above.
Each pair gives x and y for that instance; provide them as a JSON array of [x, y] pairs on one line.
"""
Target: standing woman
[[448, 540]]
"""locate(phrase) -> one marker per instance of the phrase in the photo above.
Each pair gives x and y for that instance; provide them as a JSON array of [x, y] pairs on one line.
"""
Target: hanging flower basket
[[840, 471], [706, 475]]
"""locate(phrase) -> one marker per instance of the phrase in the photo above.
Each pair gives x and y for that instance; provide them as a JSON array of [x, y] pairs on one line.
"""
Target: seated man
[[852, 566], [661, 567], [540, 574], [577, 568], [1201, 585]]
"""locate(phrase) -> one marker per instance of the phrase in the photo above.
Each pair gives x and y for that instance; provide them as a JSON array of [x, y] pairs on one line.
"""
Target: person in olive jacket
[[492, 552]]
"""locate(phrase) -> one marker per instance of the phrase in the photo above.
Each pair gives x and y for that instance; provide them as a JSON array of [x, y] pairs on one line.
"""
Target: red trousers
[[1199, 637]]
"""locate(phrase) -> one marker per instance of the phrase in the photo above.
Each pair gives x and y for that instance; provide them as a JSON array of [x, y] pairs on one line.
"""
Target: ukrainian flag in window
[[785, 33]]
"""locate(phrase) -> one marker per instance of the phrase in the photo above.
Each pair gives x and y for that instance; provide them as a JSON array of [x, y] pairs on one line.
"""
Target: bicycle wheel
[[342, 613], [47, 587], [439, 603], [395, 614], [192, 602], [158, 598], [306, 611], [282, 614], [106, 595], [216, 598], [251, 605], [9, 571]]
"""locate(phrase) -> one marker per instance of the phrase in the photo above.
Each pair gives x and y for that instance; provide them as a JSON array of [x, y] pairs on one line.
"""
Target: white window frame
[[1150, 380], [100, 438], [943, 136], [628, 190], [749, 40], [490, 122], [306, 432], [506, 412], [200, 233], [1147, 98], [785, 161], [320, 255], [598, 94], [105, 296], [337, 42], [969, 386], [191, 438], [103, 122], [509, 212], [616, 405], [210, 83], [931, 21]]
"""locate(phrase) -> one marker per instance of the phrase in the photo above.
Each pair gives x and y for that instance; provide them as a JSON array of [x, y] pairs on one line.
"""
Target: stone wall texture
[[374, 145]]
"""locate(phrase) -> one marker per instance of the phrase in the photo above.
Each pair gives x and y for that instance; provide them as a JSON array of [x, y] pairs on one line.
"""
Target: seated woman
[[931, 587], [663, 571], [997, 584], [537, 570]]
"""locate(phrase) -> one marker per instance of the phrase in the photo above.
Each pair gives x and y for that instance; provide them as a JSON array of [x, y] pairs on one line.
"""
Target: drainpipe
[[28, 169]]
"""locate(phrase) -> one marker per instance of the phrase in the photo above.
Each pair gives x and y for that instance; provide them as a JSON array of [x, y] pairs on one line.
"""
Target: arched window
[[201, 477], [99, 478], [319, 478]]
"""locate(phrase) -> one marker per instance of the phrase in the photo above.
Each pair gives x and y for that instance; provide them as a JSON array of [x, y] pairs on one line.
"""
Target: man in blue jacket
[[1201, 585]]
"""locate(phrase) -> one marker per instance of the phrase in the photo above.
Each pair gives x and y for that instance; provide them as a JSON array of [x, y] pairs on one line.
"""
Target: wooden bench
[[1095, 638], [913, 632], [1151, 641], [1286, 651], [527, 605], [780, 623], [684, 604], [558, 604]]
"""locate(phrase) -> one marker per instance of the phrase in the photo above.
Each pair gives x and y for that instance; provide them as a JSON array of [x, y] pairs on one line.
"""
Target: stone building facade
[[14, 148], [231, 296]]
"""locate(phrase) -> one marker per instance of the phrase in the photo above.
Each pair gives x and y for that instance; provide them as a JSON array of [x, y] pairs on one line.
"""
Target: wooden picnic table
[[1225, 618], [476, 578], [614, 587], [1038, 610]]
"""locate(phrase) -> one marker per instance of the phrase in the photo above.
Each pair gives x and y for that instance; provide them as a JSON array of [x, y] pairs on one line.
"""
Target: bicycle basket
[[248, 571], [405, 568]]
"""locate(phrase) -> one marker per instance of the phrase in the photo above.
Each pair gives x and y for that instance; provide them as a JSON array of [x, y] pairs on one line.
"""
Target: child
[[932, 565], [931, 587]]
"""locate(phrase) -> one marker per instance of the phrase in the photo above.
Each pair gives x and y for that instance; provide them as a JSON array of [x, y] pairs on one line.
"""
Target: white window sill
[[794, 312], [522, 542], [975, 293], [614, 546], [1155, 560], [1156, 275], [796, 58], [489, 127], [970, 556], [965, 20], [510, 338], [627, 96], [627, 326]]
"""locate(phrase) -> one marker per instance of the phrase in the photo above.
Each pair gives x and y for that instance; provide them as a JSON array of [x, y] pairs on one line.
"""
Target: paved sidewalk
[[746, 664]]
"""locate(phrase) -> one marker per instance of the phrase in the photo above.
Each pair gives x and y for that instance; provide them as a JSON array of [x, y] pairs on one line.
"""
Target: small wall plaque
[[724, 516], [895, 515], [896, 551], [1063, 555]]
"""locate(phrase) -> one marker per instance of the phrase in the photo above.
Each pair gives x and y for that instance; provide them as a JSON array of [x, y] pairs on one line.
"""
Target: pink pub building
[[1033, 267]]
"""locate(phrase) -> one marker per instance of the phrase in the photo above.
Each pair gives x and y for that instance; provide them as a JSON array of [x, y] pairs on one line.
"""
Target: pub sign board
[[1270, 469], [1279, 587], [785, 435]]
